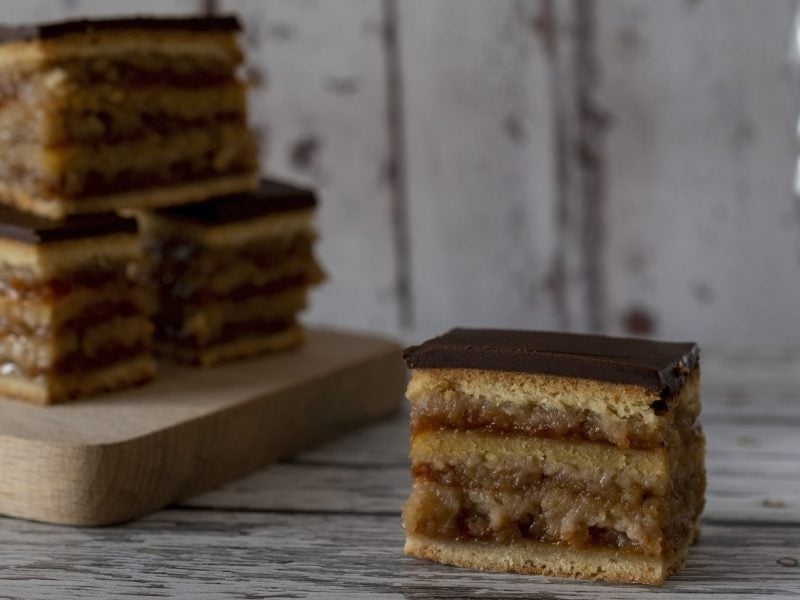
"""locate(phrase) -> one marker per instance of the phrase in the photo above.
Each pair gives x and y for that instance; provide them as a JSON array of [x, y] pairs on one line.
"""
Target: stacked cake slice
[[555, 454], [232, 273], [74, 312], [143, 116], [125, 113]]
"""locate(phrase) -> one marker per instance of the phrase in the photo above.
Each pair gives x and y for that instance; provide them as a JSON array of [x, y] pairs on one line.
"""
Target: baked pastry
[[74, 311], [110, 114], [555, 454], [232, 273]]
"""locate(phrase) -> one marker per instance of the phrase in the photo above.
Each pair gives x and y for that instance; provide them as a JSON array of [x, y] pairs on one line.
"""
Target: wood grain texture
[[702, 228], [319, 101], [126, 454], [482, 204]]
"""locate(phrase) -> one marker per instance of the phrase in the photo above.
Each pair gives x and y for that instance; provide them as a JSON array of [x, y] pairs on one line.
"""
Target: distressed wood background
[[622, 166]]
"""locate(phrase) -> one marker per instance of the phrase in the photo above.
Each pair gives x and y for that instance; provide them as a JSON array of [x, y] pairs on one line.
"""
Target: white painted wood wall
[[623, 165]]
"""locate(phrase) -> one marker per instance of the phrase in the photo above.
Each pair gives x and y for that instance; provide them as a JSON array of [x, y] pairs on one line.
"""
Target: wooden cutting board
[[123, 455]]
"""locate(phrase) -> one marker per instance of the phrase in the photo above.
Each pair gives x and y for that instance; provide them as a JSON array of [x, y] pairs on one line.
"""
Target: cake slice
[[555, 454], [122, 113], [232, 273], [74, 311]]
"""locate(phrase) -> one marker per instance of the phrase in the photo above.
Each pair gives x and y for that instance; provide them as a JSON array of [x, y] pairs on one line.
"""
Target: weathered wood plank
[[482, 202], [752, 385], [702, 229], [319, 99], [308, 488], [385, 444], [195, 553]]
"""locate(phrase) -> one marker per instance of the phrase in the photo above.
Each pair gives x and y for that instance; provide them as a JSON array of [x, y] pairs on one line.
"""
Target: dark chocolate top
[[656, 366], [272, 196], [27, 228], [46, 31]]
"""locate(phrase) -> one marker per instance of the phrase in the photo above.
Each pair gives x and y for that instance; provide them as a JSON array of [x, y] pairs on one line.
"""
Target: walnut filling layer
[[460, 498], [549, 514], [79, 171], [102, 114], [61, 77], [50, 351], [453, 409], [21, 283], [619, 488], [76, 363], [203, 324], [506, 506], [30, 325], [236, 330], [174, 319]]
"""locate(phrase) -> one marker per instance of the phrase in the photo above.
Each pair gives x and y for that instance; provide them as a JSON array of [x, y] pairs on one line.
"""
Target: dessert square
[[74, 310], [232, 273], [555, 454], [122, 113]]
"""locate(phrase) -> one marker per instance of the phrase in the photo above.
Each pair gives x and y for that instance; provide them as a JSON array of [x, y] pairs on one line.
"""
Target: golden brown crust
[[34, 353], [647, 468], [103, 113], [35, 315], [536, 558], [544, 407], [617, 400]]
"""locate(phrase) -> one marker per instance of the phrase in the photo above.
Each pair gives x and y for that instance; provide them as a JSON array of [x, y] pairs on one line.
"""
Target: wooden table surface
[[326, 524]]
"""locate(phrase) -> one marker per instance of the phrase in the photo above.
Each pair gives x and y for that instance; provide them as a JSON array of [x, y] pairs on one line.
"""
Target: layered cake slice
[[232, 272], [74, 310], [101, 115], [555, 454]]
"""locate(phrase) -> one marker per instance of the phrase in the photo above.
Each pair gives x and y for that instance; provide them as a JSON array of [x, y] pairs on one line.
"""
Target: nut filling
[[558, 510], [549, 514], [455, 410]]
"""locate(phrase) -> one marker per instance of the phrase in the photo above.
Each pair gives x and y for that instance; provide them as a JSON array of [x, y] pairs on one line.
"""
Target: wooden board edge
[[112, 483]]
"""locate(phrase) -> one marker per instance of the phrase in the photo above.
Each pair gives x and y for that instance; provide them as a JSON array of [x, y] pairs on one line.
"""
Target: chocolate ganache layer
[[31, 229], [46, 31], [661, 367], [271, 197]]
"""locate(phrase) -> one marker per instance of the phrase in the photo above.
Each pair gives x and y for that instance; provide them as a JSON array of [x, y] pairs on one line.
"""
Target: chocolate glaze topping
[[272, 196], [661, 367], [46, 31], [36, 230]]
